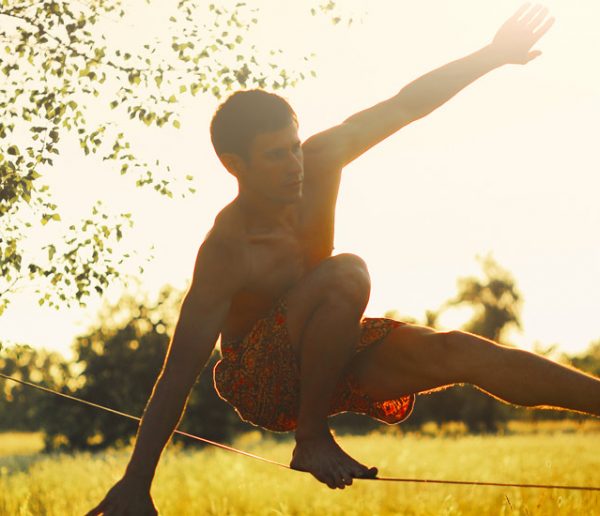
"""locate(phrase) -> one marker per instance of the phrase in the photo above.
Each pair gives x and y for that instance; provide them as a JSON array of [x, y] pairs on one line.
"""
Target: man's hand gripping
[[126, 498]]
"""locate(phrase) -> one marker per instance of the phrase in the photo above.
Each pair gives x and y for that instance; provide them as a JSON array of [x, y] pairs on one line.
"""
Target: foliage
[[496, 303], [118, 363], [495, 299], [589, 361], [65, 79], [20, 405]]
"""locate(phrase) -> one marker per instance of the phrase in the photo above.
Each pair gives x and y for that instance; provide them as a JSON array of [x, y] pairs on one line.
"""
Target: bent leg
[[418, 359], [324, 314]]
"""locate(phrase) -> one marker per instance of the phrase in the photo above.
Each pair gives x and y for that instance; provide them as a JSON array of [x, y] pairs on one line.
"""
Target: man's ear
[[234, 164]]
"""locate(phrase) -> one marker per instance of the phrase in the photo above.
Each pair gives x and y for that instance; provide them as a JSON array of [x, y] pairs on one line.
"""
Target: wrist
[[493, 56], [140, 477]]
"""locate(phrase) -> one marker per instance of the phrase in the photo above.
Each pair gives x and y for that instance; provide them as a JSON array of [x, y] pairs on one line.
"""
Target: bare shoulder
[[323, 164], [326, 149], [220, 270]]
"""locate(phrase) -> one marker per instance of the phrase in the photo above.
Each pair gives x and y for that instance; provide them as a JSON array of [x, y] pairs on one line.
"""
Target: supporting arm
[[218, 276]]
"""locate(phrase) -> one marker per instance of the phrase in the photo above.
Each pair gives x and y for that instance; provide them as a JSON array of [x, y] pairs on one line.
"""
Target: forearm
[[425, 94], [416, 100], [430, 91], [161, 416], [512, 44]]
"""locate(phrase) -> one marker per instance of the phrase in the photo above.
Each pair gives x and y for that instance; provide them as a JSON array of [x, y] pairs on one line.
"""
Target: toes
[[368, 473], [339, 480], [340, 476], [328, 480], [372, 472], [346, 479]]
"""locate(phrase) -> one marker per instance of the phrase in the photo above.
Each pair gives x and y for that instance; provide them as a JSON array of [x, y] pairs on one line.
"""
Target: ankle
[[312, 433]]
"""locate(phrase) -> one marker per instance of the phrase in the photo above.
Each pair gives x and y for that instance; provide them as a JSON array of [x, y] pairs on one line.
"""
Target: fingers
[[520, 11], [538, 18], [99, 509], [533, 12], [543, 29], [532, 55]]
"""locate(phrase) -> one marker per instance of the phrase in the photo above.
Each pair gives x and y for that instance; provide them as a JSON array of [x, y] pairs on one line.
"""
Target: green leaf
[[134, 78]]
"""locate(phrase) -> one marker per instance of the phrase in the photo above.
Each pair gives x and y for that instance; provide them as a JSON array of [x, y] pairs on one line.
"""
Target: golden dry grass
[[19, 443], [214, 482]]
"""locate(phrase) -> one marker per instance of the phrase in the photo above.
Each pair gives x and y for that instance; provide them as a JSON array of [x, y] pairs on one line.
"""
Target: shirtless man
[[265, 275]]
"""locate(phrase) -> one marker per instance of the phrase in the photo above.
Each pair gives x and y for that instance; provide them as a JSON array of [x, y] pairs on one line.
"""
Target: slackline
[[247, 454]]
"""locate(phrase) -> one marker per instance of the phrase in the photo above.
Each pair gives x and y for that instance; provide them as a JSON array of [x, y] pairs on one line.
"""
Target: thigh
[[343, 275], [409, 360]]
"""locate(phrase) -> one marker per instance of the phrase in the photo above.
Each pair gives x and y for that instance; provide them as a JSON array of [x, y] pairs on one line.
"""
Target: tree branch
[[42, 30]]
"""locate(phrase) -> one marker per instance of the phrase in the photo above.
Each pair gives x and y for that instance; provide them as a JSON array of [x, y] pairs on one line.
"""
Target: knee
[[348, 281], [453, 341], [472, 356]]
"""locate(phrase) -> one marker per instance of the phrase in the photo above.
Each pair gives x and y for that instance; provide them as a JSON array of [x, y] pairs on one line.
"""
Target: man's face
[[275, 167]]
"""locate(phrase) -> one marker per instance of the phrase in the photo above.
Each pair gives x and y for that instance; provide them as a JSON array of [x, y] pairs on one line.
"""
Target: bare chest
[[274, 264]]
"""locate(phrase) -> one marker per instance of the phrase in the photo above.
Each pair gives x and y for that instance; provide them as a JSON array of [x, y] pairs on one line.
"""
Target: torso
[[276, 260]]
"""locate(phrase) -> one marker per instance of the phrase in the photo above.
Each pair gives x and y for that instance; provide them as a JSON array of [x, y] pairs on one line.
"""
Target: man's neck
[[261, 214]]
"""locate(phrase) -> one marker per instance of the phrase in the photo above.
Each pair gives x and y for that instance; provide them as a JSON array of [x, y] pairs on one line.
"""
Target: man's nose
[[296, 165]]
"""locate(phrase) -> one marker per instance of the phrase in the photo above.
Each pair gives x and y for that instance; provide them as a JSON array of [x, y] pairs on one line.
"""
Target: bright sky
[[509, 167]]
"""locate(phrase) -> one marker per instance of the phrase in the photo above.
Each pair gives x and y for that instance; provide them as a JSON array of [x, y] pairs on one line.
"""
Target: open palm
[[514, 40]]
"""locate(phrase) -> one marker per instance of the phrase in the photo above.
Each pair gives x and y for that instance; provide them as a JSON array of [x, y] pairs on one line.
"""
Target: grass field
[[215, 482]]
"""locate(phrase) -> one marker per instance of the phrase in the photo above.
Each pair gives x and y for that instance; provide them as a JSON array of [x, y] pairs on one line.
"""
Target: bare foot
[[327, 462]]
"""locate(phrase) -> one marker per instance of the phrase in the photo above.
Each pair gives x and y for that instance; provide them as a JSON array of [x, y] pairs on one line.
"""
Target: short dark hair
[[244, 115]]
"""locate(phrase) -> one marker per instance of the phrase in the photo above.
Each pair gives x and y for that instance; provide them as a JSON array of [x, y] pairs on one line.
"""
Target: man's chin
[[291, 198]]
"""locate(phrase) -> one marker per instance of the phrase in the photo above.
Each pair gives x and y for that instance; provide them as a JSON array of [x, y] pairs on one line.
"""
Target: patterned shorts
[[260, 376]]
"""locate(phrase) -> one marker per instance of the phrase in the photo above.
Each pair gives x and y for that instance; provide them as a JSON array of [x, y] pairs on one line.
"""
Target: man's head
[[255, 135]]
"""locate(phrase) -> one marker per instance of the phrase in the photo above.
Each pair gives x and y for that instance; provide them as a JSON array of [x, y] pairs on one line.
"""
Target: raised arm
[[512, 44], [217, 277]]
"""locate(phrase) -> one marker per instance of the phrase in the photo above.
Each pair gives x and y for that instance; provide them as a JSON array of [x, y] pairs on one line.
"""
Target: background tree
[[495, 301], [20, 405], [589, 361], [65, 79], [496, 304], [117, 364]]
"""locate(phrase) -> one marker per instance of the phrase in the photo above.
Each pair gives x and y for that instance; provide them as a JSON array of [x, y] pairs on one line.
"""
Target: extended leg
[[418, 359]]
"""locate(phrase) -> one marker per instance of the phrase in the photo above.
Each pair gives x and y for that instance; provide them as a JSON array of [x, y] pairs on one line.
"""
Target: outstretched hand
[[126, 498], [520, 32]]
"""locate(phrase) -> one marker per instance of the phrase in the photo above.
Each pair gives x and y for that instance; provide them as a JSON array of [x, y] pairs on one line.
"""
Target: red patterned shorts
[[260, 376]]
